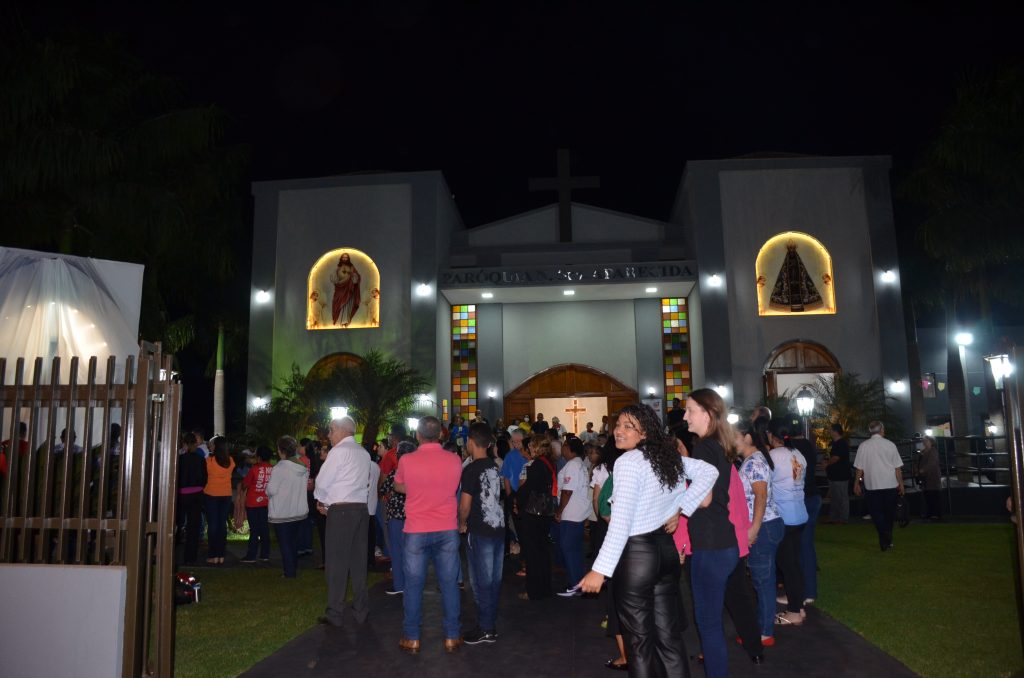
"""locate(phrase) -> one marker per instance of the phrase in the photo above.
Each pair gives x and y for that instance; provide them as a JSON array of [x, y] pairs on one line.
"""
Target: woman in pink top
[[740, 599]]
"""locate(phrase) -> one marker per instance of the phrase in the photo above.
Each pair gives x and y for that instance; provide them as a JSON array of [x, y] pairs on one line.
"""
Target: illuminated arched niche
[[343, 291], [794, 276]]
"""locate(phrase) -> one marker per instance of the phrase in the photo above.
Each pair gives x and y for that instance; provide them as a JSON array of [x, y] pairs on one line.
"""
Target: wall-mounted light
[[992, 429], [888, 276], [1001, 368], [423, 290], [732, 418], [568, 293], [898, 386], [339, 411], [259, 402], [413, 423], [262, 296], [929, 432], [721, 389], [963, 338], [487, 295], [651, 290], [714, 280], [651, 391], [492, 393]]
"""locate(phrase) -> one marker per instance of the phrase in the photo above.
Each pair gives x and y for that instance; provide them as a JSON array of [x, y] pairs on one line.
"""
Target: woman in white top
[[790, 470], [649, 492]]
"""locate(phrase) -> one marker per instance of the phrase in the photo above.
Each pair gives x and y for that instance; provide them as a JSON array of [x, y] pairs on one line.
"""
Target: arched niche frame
[[343, 291], [801, 359], [794, 276]]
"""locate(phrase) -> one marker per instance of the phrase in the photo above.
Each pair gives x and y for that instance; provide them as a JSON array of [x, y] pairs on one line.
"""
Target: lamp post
[[805, 405]]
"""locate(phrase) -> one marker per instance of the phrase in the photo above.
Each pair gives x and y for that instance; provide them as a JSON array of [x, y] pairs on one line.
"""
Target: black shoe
[[757, 658], [326, 621], [392, 592], [887, 548], [476, 636]]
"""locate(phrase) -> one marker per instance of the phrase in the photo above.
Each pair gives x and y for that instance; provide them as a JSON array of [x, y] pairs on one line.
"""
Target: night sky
[[487, 94]]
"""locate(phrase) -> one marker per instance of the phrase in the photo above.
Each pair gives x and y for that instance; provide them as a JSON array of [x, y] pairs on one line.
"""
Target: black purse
[[540, 504]]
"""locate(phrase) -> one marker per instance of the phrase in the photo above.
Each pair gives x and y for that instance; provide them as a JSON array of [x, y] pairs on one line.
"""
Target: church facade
[[768, 273]]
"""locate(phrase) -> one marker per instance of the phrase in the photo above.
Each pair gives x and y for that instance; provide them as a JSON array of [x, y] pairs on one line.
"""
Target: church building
[[769, 272]]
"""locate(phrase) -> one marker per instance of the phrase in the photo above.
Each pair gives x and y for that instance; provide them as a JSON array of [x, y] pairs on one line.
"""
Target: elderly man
[[342, 493], [429, 477], [880, 479]]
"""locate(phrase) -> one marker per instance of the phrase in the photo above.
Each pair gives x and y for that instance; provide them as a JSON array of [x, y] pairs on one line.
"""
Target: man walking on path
[[482, 518], [342, 493], [880, 479], [838, 472], [429, 477]]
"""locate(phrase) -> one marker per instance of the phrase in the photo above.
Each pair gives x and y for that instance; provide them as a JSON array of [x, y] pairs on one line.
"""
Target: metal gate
[[109, 501]]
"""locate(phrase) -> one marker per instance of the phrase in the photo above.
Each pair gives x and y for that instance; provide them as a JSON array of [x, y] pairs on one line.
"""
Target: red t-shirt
[[255, 482], [431, 477], [389, 462]]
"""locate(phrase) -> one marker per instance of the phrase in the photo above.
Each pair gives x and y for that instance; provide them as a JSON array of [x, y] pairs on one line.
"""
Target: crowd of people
[[694, 509]]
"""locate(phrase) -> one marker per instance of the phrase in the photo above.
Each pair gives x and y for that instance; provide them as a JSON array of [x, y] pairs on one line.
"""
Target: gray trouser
[[347, 530], [839, 494]]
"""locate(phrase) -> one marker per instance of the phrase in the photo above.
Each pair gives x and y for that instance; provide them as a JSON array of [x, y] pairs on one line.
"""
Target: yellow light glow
[[343, 291], [816, 260]]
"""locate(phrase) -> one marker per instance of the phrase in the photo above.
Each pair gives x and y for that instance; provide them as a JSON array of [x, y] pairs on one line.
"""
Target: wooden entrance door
[[567, 381], [797, 357]]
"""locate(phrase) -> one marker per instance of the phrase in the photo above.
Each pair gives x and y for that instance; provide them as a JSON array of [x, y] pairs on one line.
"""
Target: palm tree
[[846, 400]]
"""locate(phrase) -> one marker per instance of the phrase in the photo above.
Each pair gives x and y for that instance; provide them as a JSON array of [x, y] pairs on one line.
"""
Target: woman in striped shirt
[[649, 492]]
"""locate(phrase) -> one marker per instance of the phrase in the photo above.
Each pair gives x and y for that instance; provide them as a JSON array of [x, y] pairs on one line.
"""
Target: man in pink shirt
[[430, 477]]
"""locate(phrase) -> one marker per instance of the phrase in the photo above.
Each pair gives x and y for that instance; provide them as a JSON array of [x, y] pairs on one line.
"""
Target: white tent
[[60, 305]]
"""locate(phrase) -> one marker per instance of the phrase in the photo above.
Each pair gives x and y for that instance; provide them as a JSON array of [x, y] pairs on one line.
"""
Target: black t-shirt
[[539, 427], [806, 448], [675, 420], [480, 480], [710, 528], [840, 470]]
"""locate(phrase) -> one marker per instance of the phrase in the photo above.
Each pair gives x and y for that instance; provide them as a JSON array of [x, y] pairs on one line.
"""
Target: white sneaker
[[808, 601]]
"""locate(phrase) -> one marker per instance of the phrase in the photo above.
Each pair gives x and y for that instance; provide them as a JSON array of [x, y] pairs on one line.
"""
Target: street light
[[963, 338], [805, 405], [338, 411], [1001, 368]]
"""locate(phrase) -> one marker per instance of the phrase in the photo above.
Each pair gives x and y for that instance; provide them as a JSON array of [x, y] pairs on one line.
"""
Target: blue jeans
[[709, 572], [808, 556], [443, 549], [383, 536], [217, 511], [762, 570], [288, 542], [259, 533], [397, 538], [570, 541], [486, 556]]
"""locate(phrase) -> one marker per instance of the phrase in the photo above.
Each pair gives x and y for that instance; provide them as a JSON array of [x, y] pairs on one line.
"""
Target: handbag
[[540, 504]]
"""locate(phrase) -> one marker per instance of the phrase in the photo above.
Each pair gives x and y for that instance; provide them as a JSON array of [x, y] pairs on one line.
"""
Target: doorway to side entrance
[[795, 363], [558, 386]]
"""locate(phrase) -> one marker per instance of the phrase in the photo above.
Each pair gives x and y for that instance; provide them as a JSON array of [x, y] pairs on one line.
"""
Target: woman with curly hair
[[712, 537], [649, 491]]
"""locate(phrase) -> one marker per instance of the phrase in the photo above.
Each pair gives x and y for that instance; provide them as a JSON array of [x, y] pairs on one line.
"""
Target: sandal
[[782, 620], [523, 596], [624, 666]]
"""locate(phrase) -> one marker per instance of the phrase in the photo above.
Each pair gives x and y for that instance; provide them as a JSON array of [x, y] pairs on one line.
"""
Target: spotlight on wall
[[651, 290], [929, 432], [423, 290], [898, 386], [651, 391], [412, 423], [487, 295], [963, 338], [339, 411], [732, 418], [888, 276], [262, 296], [715, 280], [259, 402], [721, 389], [568, 293], [992, 429], [492, 393]]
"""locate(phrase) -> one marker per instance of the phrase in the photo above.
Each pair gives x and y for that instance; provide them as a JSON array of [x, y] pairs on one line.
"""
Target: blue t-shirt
[[512, 466], [788, 485]]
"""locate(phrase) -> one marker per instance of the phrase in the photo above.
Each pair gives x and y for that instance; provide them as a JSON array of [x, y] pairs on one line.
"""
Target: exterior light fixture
[[715, 280], [964, 338], [568, 293], [338, 411], [1001, 368], [262, 296], [898, 386], [721, 389], [487, 295], [805, 402], [888, 276], [732, 418], [413, 423], [651, 290], [492, 392], [651, 391], [259, 402], [423, 290]]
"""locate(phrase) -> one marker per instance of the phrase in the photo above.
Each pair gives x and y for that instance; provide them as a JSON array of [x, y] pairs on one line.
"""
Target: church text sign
[[545, 275]]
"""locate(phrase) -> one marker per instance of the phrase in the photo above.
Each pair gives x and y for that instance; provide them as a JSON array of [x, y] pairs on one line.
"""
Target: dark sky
[[486, 93]]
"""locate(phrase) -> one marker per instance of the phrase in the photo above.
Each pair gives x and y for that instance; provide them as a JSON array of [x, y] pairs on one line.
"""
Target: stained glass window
[[464, 369], [675, 345]]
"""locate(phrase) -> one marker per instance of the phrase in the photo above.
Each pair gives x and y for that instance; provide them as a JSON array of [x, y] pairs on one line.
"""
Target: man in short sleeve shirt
[[880, 480]]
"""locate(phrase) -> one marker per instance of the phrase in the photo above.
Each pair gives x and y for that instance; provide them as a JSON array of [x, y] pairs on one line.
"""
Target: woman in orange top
[[217, 496]]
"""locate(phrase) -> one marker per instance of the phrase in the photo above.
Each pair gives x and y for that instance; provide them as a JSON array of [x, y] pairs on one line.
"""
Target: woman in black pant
[[788, 477], [648, 492], [536, 511]]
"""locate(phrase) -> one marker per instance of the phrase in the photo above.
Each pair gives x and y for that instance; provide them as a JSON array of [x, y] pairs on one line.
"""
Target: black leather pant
[[650, 610]]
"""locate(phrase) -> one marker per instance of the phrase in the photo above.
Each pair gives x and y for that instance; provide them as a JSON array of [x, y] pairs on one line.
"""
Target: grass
[[942, 602], [244, 615]]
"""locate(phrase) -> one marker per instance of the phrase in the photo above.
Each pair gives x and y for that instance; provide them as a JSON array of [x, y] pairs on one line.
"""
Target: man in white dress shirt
[[342, 493]]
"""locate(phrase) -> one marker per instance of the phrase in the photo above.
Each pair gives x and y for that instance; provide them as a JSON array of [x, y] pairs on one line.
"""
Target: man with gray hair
[[880, 480], [342, 493]]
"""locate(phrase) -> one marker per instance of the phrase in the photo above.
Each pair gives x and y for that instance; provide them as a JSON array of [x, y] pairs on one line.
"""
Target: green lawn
[[245, 613], [942, 601]]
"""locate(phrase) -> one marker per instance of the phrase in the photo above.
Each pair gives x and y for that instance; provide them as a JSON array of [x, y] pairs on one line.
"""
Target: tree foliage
[[846, 400]]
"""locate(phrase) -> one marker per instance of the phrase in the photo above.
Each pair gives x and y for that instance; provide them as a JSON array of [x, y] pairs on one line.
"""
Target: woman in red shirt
[[255, 484]]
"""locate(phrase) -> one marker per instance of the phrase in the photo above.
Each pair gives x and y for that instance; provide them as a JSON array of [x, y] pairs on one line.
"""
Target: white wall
[[600, 334], [62, 621]]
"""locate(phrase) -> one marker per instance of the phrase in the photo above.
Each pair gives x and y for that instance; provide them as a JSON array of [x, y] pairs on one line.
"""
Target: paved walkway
[[557, 637]]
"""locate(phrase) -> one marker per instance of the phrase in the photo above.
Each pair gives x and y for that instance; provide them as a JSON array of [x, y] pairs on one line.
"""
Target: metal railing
[[108, 502]]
